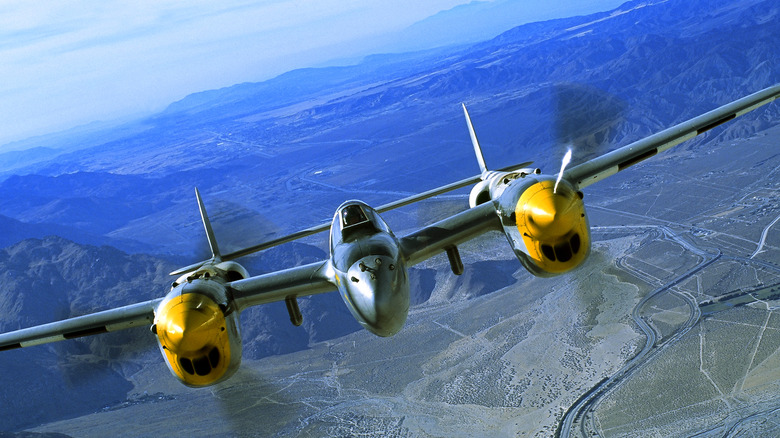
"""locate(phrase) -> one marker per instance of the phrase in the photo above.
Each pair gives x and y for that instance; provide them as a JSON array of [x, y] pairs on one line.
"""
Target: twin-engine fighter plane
[[542, 216]]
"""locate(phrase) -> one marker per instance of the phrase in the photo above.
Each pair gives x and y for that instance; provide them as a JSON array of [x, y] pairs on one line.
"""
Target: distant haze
[[66, 63]]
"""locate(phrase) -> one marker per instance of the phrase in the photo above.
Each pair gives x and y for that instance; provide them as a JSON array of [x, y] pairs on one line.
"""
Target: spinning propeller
[[585, 119]]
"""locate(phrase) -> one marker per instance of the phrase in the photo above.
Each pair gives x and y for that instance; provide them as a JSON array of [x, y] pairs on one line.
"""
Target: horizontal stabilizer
[[326, 226]]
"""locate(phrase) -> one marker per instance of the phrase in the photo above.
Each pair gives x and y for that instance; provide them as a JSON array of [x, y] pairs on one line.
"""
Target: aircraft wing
[[449, 232], [102, 322], [302, 280], [613, 162]]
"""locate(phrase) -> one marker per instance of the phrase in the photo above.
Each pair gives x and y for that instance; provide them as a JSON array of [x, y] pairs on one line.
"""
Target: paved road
[[586, 404], [763, 237]]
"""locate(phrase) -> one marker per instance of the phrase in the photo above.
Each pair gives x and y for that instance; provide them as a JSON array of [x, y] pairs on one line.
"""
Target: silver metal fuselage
[[370, 271]]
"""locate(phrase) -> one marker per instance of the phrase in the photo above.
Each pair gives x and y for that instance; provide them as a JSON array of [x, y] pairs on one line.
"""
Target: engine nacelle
[[198, 332], [480, 194], [547, 227]]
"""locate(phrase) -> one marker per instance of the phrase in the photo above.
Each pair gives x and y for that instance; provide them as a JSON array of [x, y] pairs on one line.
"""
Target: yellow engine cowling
[[547, 228], [198, 334]]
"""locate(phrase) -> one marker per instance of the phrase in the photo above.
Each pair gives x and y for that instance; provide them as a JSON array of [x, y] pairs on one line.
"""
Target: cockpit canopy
[[352, 216], [355, 218]]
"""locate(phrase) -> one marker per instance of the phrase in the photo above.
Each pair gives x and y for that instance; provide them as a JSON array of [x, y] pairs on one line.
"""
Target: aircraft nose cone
[[379, 289], [552, 214], [187, 325]]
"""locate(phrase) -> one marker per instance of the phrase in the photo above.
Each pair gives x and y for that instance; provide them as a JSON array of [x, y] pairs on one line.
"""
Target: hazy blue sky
[[68, 62]]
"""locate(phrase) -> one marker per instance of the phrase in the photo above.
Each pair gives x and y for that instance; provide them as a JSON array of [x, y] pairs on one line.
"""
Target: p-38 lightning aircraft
[[543, 217]]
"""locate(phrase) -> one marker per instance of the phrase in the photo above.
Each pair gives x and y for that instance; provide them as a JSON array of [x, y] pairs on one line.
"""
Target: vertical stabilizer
[[207, 225], [475, 142]]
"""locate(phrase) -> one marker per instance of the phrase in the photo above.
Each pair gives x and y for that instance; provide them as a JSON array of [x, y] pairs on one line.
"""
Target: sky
[[69, 62]]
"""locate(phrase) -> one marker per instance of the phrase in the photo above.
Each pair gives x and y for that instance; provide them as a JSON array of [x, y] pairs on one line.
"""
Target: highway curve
[[581, 410]]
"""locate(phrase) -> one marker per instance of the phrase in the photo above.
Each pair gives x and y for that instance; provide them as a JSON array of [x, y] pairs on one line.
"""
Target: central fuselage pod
[[546, 225], [370, 271]]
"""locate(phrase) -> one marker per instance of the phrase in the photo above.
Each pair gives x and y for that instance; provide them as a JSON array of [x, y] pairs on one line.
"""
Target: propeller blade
[[585, 120], [564, 163]]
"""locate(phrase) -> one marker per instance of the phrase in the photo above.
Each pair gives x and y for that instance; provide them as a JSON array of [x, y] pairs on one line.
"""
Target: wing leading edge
[[613, 162], [310, 279], [447, 233], [141, 314]]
